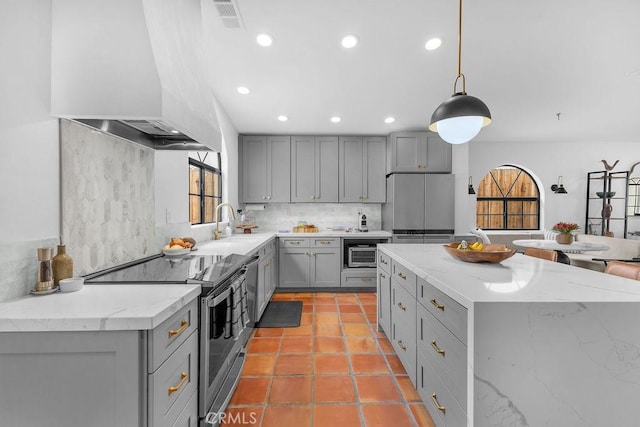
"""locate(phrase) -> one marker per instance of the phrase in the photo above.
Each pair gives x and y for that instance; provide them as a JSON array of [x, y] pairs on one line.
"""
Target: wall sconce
[[471, 190], [558, 188]]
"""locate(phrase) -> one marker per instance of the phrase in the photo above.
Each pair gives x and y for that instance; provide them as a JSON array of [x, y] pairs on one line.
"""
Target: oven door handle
[[212, 300]]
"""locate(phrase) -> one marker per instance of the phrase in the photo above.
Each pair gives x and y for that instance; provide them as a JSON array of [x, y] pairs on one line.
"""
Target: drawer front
[[189, 415], [403, 307], [294, 243], [168, 336], [449, 312], [442, 406], [438, 347], [358, 279], [403, 340], [384, 262], [171, 386], [403, 276], [324, 243]]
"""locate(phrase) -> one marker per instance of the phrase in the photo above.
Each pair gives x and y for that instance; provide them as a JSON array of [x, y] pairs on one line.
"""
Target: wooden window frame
[[217, 192]]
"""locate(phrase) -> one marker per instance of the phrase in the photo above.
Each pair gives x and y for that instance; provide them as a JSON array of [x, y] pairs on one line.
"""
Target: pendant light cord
[[464, 83]]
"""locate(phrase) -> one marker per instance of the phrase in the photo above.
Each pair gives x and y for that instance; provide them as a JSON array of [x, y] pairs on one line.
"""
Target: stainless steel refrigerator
[[419, 208]]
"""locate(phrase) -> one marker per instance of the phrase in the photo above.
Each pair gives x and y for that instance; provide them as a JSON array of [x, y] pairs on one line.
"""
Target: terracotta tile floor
[[335, 369]]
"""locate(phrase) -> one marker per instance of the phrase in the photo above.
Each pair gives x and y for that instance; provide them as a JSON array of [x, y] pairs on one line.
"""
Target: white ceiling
[[527, 60]]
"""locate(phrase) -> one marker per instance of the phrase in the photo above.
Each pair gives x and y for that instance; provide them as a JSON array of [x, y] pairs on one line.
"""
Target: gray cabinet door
[[324, 268], [407, 153], [261, 292], [303, 169], [351, 169], [326, 169], [294, 267], [438, 153], [439, 202], [278, 169], [384, 301], [374, 182], [254, 169]]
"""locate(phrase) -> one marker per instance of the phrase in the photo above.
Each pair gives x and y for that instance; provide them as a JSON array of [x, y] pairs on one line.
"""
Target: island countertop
[[517, 279]]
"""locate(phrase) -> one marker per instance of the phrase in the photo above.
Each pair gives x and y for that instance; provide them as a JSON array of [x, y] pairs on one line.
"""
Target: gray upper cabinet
[[314, 164], [418, 152], [362, 169], [266, 166]]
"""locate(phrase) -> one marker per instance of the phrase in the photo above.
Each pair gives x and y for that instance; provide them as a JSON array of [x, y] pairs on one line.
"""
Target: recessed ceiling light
[[349, 41], [283, 118], [243, 90], [433, 44], [390, 120], [336, 119], [264, 39]]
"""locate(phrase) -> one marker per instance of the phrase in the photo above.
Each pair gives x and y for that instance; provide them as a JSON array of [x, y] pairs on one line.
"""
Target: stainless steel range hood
[[154, 134]]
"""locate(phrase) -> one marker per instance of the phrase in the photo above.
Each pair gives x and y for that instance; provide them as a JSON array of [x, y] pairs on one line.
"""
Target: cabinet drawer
[[171, 386], [403, 307], [189, 415], [324, 243], [403, 276], [442, 406], [403, 340], [449, 312], [168, 336], [294, 243], [437, 346], [384, 262], [267, 249], [358, 279]]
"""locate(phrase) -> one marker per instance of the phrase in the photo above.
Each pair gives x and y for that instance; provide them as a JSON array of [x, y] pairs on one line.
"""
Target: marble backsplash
[[284, 216], [19, 266]]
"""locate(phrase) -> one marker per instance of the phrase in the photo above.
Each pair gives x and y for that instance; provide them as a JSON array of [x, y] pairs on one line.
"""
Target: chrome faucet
[[216, 232]]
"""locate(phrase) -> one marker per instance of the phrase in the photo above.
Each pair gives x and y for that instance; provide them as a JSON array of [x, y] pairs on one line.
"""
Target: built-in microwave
[[362, 256]]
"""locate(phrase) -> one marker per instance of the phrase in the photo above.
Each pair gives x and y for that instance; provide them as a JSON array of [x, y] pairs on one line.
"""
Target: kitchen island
[[525, 342]]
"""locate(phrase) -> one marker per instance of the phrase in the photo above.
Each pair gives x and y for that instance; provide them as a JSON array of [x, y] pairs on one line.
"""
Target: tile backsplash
[[285, 216]]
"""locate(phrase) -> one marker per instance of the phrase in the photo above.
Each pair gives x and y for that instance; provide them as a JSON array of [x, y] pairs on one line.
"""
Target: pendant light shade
[[460, 118]]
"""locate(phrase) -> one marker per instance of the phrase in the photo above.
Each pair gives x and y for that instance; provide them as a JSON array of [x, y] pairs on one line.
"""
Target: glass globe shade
[[458, 130]]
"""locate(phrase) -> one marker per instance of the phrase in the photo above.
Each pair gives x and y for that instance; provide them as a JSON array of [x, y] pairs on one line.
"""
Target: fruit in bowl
[[180, 243]]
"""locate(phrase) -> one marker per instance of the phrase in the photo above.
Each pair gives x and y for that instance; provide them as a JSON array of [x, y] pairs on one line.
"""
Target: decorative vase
[[62, 265], [564, 239]]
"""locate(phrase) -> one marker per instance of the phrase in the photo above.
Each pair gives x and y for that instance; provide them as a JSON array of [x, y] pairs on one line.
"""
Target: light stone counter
[[548, 344], [97, 308]]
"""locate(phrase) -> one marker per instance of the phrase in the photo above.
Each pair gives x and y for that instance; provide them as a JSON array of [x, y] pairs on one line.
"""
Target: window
[[508, 199], [205, 191]]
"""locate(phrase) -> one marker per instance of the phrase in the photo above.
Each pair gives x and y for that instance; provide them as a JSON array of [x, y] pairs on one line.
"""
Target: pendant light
[[460, 118]]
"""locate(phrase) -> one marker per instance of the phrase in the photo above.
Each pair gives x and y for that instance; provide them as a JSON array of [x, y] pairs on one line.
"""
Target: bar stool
[[547, 254]]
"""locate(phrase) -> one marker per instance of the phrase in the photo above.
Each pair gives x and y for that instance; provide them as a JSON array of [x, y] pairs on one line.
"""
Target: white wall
[[549, 160], [29, 159]]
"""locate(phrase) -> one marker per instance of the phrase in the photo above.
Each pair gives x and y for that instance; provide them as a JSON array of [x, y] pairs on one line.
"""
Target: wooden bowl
[[490, 253]]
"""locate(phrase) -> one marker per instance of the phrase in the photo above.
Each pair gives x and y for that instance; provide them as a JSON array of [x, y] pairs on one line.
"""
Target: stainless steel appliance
[[361, 255], [419, 208], [228, 286]]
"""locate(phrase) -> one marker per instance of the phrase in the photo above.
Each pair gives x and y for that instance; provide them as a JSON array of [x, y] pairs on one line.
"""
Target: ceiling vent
[[229, 13]]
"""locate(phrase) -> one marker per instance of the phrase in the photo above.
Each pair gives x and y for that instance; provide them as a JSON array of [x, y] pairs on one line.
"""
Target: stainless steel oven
[[361, 255]]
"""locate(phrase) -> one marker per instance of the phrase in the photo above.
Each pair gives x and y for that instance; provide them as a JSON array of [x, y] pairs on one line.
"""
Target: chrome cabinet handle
[[436, 305], [401, 345], [183, 325], [402, 276], [183, 380], [437, 349], [441, 408], [402, 307]]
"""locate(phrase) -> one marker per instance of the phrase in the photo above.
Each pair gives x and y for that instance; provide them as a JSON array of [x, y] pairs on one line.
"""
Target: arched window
[[508, 199]]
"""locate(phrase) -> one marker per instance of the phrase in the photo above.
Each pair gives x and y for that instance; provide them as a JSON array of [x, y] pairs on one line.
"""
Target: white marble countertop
[[97, 308], [517, 279], [573, 247]]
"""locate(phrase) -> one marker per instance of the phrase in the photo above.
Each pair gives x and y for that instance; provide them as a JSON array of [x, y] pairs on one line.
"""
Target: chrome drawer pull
[[402, 307], [402, 346], [183, 325], [437, 349], [434, 398], [402, 276], [436, 305], [183, 380]]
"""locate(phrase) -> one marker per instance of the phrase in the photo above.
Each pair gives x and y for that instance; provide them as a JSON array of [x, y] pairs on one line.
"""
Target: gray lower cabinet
[[403, 327], [266, 276], [102, 378], [418, 152], [362, 162], [309, 262], [314, 169], [266, 169], [384, 292]]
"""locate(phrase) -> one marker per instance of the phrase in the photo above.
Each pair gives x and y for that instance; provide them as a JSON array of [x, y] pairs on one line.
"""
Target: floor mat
[[281, 314]]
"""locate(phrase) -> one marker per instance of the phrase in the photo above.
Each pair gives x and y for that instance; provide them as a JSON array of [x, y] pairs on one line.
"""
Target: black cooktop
[[158, 269]]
